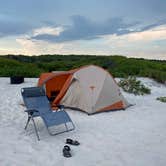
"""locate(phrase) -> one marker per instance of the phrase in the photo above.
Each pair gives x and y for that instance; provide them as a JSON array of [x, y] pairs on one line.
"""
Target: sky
[[133, 28]]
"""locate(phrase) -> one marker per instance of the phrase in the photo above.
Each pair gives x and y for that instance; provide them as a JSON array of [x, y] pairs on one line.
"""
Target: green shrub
[[156, 74], [10, 68], [118, 66], [132, 85], [162, 99]]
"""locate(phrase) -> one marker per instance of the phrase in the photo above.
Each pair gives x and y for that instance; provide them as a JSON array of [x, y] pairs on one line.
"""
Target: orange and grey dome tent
[[89, 88]]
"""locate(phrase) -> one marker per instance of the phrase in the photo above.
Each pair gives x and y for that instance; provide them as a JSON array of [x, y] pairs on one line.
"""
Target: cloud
[[158, 23], [148, 44], [47, 30], [4, 51], [9, 28], [34, 47], [154, 34], [14, 27], [85, 29]]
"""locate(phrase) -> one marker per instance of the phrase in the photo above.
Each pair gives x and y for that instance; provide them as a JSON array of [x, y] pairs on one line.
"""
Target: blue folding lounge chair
[[37, 105]]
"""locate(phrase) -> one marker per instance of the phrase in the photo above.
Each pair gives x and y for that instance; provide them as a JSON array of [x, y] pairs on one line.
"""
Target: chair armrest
[[31, 110], [61, 107]]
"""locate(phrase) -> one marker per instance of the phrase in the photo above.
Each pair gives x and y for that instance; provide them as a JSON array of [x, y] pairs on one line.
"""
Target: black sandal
[[72, 142], [66, 151]]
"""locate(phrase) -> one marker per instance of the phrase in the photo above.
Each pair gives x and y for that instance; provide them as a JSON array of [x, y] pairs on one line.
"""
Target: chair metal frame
[[35, 112]]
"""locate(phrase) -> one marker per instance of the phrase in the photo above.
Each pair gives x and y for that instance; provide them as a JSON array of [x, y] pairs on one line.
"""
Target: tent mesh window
[[54, 94]]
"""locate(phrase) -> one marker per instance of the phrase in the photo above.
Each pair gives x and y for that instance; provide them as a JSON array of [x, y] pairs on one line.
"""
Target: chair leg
[[73, 125], [35, 129], [29, 118], [66, 127]]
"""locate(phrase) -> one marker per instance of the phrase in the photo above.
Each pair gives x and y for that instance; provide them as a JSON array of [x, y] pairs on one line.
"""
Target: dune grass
[[162, 99], [118, 66]]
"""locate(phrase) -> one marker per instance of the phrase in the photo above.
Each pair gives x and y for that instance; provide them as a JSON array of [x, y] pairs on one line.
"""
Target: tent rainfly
[[89, 88]]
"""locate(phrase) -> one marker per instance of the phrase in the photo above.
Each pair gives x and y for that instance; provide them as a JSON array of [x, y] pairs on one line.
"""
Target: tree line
[[118, 66]]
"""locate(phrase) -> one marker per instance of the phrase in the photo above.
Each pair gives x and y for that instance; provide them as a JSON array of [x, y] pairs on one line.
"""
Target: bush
[[158, 75], [162, 99], [131, 85], [118, 66]]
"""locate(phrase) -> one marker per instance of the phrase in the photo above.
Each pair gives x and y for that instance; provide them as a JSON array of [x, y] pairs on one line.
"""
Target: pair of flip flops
[[72, 142], [66, 148]]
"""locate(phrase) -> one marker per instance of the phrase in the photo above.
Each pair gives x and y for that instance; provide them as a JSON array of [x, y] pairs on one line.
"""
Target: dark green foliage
[[158, 75], [118, 66], [162, 99], [132, 85], [10, 67]]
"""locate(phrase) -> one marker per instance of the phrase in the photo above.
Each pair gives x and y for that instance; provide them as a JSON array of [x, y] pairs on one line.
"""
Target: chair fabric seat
[[56, 118]]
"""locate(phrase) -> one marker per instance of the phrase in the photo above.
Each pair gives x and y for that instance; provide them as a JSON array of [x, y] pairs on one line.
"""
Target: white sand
[[135, 137]]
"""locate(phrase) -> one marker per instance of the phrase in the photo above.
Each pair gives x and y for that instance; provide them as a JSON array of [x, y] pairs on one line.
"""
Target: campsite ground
[[136, 136]]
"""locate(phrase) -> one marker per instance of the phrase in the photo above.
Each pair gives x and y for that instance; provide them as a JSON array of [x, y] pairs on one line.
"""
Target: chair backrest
[[35, 98]]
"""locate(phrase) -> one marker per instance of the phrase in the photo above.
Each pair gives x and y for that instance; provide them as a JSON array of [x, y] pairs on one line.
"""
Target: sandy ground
[[134, 137]]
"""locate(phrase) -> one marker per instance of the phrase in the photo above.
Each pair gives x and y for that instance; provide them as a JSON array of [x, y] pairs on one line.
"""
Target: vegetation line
[[119, 66]]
